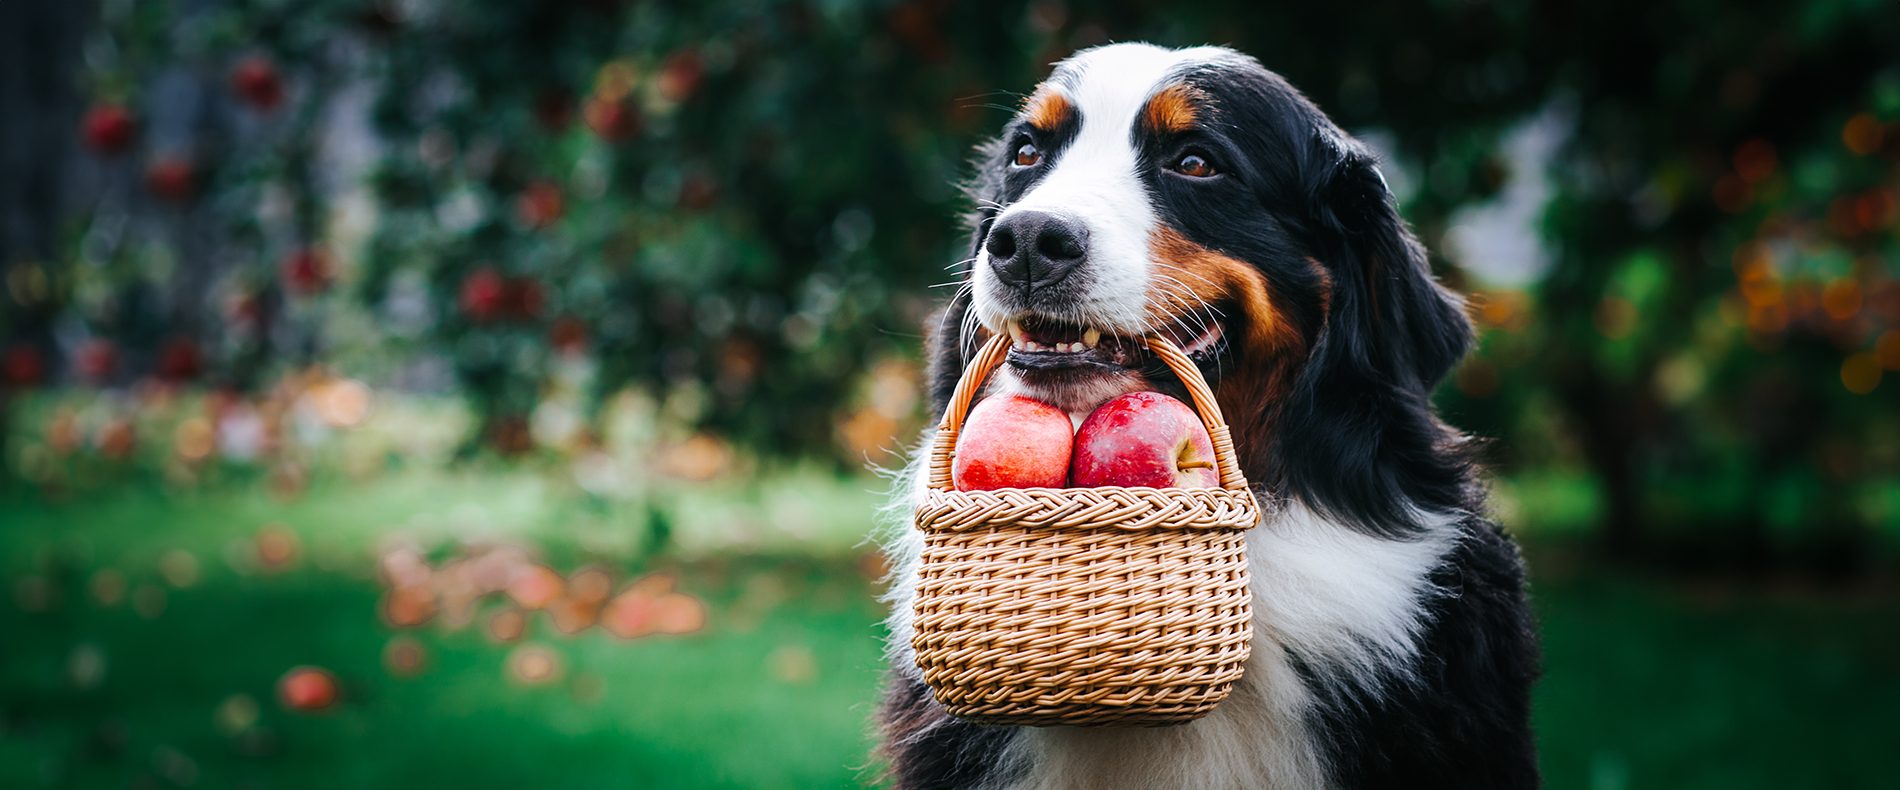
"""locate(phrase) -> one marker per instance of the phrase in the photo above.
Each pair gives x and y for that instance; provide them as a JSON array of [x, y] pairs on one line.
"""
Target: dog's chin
[[1076, 390]]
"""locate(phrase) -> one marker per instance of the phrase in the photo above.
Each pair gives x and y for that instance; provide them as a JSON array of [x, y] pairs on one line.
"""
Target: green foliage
[[739, 207]]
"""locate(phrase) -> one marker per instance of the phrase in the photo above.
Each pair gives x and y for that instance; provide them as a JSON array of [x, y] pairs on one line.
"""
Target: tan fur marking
[[1047, 108], [1325, 287], [1267, 349], [1174, 109]]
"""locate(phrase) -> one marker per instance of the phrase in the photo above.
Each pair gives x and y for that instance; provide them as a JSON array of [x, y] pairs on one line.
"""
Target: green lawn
[[1648, 685]]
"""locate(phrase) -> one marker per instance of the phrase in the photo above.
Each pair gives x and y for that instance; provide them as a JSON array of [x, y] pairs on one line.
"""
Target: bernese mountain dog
[[1194, 193]]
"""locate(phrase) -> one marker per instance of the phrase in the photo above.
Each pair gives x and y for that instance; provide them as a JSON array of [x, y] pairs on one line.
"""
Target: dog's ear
[[1413, 328], [1369, 448]]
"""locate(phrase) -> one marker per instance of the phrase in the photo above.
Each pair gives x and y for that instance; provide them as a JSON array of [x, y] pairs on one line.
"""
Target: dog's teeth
[[1091, 336], [1031, 345], [1065, 347], [1017, 337]]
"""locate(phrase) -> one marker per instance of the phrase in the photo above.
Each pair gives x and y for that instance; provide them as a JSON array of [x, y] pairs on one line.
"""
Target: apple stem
[[1198, 465]]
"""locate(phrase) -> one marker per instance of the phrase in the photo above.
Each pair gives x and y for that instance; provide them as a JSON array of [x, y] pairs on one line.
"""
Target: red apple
[[256, 81], [539, 205], [307, 689], [1144, 439], [1012, 442], [108, 128], [24, 365], [171, 179], [484, 294], [680, 76], [612, 121], [306, 270], [179, 360], [97, 360]]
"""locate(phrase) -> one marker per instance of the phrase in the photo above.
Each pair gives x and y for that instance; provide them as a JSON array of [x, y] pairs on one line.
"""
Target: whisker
[[1193, 301], [1196, 275], [945, 317], [966, 333], [1199, 313]]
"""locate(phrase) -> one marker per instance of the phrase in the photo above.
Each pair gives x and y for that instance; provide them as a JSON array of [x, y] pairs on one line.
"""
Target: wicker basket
[[1083, 606]]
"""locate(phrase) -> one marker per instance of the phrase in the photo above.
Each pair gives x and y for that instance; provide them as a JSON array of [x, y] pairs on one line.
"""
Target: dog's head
[[1194, 194]]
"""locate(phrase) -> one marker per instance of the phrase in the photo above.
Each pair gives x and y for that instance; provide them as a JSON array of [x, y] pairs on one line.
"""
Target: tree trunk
[[1606, 428]]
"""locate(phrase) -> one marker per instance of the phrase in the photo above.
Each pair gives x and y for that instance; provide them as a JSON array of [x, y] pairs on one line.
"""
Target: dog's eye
[[1195, 166], [1028, 155]]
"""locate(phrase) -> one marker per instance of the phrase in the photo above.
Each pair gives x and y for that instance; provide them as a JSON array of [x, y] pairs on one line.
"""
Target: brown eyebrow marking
[[1174, 109], [1047, 108]]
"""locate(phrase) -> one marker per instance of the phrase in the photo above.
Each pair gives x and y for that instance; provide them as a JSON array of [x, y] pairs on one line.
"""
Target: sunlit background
[[481, 394]]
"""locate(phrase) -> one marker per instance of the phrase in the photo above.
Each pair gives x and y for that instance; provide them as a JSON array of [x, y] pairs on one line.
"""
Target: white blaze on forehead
[[1097, 181]]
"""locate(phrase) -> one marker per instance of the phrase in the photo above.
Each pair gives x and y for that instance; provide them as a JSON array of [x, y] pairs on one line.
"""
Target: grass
[[1649, 684]]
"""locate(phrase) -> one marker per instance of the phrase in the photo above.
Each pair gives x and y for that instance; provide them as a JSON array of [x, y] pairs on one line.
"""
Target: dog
[[1195, 194]]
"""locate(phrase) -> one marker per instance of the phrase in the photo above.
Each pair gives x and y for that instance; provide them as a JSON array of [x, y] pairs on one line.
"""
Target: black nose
[[1036, 249]]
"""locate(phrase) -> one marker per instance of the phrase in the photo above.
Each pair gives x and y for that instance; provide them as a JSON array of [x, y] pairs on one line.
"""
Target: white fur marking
[[1096, 181]]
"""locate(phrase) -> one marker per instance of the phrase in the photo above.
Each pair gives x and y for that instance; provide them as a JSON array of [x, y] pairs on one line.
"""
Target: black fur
[[1464, 722], [937, 751], [1356, 438]]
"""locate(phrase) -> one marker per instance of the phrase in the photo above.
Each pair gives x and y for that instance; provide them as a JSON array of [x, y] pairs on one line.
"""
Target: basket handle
[[993, 353]]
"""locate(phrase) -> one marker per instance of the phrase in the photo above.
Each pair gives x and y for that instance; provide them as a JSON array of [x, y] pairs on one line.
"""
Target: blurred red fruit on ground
[[277, 547], [535, 586], [307, 689]]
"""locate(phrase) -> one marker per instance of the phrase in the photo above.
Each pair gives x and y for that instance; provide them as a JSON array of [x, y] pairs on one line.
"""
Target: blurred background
[[485, 393]]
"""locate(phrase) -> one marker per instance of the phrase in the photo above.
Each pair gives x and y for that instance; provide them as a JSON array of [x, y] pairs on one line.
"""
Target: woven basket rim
[[991, 355], [1215, 508]]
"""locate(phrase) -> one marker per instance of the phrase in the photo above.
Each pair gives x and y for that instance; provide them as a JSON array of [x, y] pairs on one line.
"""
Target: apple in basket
[[1012, 442], [1144, 439]]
